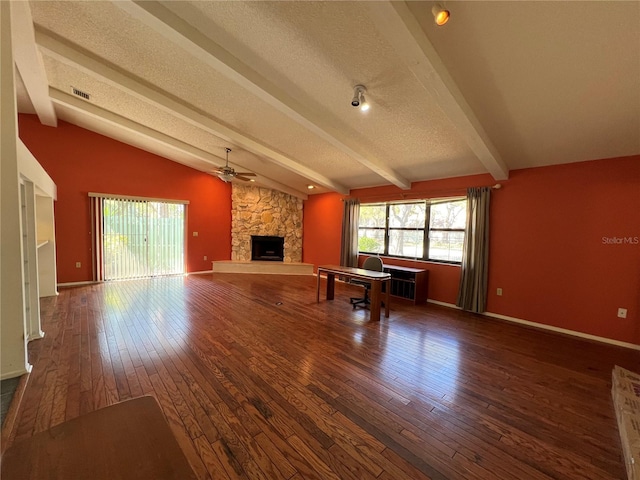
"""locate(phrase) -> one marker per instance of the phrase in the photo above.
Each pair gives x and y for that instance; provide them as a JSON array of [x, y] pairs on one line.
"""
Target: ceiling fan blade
[[240, 177], [246, 174]]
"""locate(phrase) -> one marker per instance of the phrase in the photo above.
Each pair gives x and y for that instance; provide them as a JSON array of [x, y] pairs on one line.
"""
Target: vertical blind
[[136, 237]]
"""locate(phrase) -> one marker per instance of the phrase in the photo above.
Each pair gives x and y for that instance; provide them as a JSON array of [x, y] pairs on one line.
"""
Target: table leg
[[376, 291], [387, 298], [331, 285], [318, 288]]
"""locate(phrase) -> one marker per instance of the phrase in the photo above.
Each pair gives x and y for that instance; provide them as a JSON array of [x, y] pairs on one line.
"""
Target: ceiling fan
[[227, 173]]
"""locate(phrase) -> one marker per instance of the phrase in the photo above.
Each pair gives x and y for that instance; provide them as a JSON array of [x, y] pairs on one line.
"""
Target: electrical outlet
[[499, 292], [205, 257], [622, 313], [195, 234], [78, 264]]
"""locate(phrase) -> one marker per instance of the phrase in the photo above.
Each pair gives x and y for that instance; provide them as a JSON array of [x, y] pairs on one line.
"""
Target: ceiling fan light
[[440, 14], [226, 174]]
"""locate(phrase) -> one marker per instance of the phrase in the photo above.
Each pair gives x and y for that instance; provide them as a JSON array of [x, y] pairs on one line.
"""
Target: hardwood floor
[[258, 381]]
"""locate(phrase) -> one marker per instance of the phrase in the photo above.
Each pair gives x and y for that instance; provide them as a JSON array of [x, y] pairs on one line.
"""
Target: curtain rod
[[134, 198], [410, 195]]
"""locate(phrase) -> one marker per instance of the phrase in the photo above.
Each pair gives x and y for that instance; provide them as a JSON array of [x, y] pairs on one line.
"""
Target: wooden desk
[[128, 440], [375, 278]]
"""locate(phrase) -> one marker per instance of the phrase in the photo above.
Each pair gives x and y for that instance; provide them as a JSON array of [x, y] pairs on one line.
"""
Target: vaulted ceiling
[[501, 86]]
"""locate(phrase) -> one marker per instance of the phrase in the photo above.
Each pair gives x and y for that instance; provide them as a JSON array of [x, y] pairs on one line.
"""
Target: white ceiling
[[502, 86]]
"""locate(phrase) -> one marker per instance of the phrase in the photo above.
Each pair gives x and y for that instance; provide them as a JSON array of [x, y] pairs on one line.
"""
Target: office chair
[[371, 263]]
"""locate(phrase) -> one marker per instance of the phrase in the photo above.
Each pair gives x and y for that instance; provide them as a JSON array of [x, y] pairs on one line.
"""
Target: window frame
[[426, 229]]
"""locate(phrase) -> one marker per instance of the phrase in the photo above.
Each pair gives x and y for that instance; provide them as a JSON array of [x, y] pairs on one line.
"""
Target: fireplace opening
[[267, 248]]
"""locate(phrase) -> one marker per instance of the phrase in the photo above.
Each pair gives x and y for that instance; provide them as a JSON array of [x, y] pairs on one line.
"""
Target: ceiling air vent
[[80, 93]]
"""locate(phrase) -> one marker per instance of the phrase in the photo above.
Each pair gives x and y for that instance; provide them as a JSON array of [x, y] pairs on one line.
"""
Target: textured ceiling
[[504, 85], [552, 82]]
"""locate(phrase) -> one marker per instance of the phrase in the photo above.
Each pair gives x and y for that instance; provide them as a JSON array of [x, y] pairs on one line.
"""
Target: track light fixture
[[358, 99], [440, 14]]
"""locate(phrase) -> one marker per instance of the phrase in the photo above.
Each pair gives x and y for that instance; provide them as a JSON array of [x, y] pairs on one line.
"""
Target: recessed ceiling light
[[252, 179], [310, 187]]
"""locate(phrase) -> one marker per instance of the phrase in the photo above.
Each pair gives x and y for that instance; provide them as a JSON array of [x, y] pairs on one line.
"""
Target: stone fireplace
[[264, 212], [267, 247]]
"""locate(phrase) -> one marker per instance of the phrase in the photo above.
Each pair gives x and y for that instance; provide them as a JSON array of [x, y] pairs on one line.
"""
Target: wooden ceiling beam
[[180, 31], [29, 63], [166, 141], [398, 25]]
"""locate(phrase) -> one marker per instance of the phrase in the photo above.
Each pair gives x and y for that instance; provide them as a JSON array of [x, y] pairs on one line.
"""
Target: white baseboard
[[203, 272], [542, 326], [443, 304]]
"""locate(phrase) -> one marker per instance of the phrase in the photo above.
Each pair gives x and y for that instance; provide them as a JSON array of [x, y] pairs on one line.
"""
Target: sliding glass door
[[138, 238]]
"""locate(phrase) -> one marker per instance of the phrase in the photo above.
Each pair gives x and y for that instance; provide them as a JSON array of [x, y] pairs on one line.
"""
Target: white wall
[[13, 355], [45, 231], [29, 168], [21, 228], [42, 220]]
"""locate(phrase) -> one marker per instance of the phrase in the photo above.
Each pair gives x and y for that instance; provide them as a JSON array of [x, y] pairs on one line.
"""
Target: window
[[423, 230], [446, 230]]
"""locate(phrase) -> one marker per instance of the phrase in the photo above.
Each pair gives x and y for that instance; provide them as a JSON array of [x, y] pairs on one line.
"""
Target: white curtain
[[136, 237], [472, 295], [349, 248]]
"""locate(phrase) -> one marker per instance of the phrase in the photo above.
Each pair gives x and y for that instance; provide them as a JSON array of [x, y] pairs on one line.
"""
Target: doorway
[[138, 238]]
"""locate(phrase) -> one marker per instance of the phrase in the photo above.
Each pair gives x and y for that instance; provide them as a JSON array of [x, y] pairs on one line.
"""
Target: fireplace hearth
[[267, 248]]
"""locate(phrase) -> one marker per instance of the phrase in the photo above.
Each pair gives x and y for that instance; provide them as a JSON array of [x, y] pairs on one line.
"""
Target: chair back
[[374, 264]]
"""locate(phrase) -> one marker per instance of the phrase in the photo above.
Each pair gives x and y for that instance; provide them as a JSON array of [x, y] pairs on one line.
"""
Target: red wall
[[80, 161], [322, 229], [549, 253], [547, 250]]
